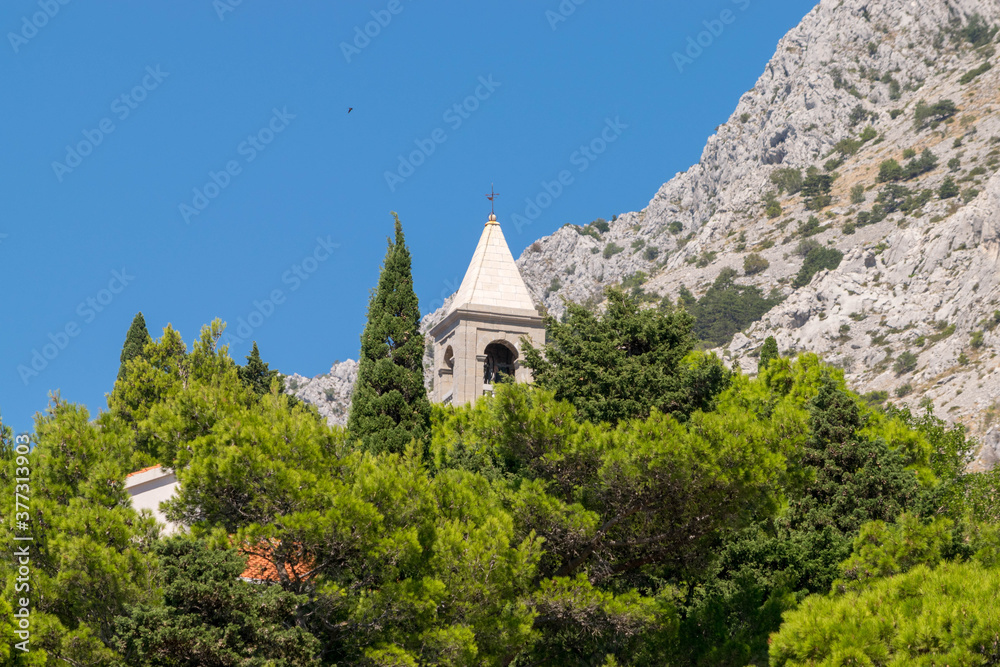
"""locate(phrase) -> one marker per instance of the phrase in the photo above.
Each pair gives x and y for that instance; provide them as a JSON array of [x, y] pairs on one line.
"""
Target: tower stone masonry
[[479, 340]]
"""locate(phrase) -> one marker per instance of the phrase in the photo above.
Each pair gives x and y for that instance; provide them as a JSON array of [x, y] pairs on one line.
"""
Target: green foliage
[[389, 406], [685, 298], [208, 616], [374, 535], [858, 194], [954, 164], [816, 260], [942, 616], [933, 114], [948, 188], [772, 208], [754, 264], [135, 342], [155, 378], [625, 362], [969, 195], [705, 258], [885, 550], [255, 375], [630, 530], [851, 469], [868, 133], [875, 398], [906, 362], [787, 179], [904, 390], [531, 534], [849, 146], [634, 282], [944, 330], [816, 189], [675, 227], [817, 184], [90, 552], [919, 166], [858, 115], [651, 253], [589, 230], [889, 170], [818, 203], [728, 307], [977, 31], [969, 76], [894, 197], [768, 351], [601, 225], [811, 227], [612, 249], [976, 341]]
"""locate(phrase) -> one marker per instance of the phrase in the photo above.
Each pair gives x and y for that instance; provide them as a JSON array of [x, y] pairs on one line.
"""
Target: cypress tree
[[767, 352], [255, 374], [389, 406], [135, 341]]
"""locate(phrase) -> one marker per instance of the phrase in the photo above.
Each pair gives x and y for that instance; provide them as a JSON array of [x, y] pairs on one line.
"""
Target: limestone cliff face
[[922, 282], [330, 393]]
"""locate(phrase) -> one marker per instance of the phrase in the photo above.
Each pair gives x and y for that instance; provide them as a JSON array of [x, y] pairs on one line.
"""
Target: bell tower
[[479, 340]]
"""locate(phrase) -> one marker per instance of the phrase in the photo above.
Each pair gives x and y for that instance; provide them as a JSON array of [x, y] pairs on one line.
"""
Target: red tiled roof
[[143, 470], [261, 567]]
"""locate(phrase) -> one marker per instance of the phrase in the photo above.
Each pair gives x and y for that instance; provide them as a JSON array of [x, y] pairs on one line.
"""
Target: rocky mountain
[[330, 393], [858, 179]]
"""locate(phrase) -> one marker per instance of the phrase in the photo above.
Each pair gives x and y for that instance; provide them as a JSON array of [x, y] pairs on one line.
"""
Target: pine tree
[[767, 352], [255, 374], [620, 364], [389, 406], [135, 341]]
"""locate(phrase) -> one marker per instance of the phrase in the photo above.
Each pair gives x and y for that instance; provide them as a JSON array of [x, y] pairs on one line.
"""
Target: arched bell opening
[[500, 359]]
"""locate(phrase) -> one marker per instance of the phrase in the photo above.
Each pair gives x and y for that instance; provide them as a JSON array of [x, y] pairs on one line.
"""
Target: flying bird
[[350, 110]]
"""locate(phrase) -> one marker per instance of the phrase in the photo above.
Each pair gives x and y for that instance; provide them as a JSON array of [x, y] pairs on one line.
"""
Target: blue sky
[[195, 160]]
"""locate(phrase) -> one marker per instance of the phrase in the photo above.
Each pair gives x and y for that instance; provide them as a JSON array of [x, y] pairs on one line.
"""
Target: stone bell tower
[[479, 339]]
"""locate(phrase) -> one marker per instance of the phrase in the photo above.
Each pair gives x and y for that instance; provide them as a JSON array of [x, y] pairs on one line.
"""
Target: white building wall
[[150, 487]]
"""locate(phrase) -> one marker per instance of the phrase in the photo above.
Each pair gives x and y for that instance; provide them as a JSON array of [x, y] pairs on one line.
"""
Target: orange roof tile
[[143, 470], [261, 566]]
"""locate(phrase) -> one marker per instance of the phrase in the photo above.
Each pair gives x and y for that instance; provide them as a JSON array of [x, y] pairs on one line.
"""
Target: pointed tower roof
[[493, 280]]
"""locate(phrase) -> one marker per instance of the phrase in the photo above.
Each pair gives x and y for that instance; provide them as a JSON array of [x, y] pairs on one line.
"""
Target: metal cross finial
[[491, 196]]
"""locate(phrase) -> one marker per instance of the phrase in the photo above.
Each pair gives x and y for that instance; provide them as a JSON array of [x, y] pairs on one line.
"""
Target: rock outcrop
[[913, 307]]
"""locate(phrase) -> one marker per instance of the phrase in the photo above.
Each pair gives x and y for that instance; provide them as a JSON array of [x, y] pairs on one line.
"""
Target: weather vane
[[491, 196]]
